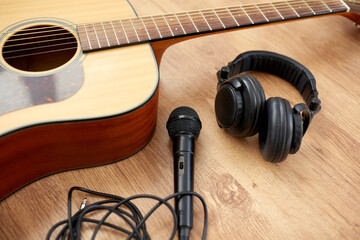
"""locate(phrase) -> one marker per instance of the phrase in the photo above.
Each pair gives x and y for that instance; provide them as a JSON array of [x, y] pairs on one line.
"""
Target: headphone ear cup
[[228, 105], [298, 133], [254, 105], [245, 89], [239, 104], [276, 132]]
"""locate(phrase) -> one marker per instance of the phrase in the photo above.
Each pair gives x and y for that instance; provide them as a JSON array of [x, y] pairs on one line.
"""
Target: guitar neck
[[103, 35]]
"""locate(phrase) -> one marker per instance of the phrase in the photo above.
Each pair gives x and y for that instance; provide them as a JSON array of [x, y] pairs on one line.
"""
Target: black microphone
[[184, 128]]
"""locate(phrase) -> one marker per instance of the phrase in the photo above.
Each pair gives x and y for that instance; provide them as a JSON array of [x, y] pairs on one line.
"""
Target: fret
[[147, 33], [300, 8], [212, 20], [192, 22], [282, 17], [285, 10], [326, 5], [293, 9], [156, 27], [129, 29], [180, 23], [97, 38], [112, 26], [174, 25], [151, 28], [270, 12], [125, 32], [247, 15], [91, 36], [205, 20], [309, 7], [84, 43], [233, 17], [255, 14], [140, 31], [262, 13], [100, 35], [83, 33], [219, 19], [226, 18], [168, 26], [186, 23], [107, 39], [134, 30], [120, 32], [199, 21], [336, 6], [163, 26], [323, 8], [241, 17], [109, 33]]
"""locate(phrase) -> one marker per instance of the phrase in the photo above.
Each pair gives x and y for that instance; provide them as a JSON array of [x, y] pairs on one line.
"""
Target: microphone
[[184, 128]]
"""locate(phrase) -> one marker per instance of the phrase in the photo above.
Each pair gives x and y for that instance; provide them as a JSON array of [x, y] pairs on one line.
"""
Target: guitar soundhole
[[39, 48]]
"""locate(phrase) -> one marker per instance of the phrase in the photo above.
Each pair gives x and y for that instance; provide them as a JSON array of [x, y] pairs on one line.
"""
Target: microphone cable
[[71, 227]]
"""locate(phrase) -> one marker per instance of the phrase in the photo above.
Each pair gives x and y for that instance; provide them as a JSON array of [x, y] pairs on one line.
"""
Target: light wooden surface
[[314, 194]]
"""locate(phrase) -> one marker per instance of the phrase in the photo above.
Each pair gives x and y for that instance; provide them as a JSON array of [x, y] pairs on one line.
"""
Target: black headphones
[[241, 107]]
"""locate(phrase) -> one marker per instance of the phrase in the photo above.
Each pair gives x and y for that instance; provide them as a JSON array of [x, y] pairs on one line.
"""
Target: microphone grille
[[183, 119]]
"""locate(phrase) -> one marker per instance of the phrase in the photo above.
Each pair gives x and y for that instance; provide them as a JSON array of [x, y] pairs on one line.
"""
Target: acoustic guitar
[[79, 90]]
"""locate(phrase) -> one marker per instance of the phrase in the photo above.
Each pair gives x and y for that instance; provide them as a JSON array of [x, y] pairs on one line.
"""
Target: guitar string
[[320, 2], [58, 49], [46, 46], [221, 12], [19, 50], [39, 53], [62, 49], [142, 24], [287, 7], [186, 25], [137, 23]]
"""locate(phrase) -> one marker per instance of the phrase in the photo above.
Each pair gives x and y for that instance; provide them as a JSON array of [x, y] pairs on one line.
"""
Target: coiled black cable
[[71, 227]]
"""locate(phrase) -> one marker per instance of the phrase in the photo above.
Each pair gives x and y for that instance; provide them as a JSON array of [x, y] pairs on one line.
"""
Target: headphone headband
[[289, 69]]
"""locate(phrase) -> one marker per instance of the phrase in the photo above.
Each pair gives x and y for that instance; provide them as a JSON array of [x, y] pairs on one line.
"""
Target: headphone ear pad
[[276, 132], [253, 106], [239, 104], [298, 133]]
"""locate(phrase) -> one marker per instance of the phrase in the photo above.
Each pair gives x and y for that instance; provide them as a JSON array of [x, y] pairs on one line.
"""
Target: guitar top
[[62, 108]]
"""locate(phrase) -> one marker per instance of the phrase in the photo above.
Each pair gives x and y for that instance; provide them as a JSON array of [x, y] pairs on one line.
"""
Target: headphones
[[242, 109]]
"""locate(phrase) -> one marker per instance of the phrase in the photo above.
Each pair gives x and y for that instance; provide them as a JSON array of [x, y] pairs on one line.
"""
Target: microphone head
[[183, 120]]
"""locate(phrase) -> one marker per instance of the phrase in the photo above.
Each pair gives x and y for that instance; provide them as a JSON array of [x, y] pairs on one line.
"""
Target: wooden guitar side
[[111, 117]]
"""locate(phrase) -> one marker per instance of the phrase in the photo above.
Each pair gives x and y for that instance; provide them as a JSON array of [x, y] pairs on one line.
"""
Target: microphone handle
[[183, 148]]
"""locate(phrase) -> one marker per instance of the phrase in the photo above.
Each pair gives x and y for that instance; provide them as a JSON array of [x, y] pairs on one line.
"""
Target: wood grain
[[312, 195]]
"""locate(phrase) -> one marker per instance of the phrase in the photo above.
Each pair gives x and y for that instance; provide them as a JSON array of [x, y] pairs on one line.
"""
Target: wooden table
[[314, 194]]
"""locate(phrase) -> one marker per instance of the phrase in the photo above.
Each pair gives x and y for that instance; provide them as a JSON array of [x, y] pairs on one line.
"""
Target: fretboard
[[95, 36]]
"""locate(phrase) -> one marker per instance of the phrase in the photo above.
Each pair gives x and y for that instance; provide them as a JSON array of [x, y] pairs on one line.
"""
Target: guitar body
[[63, 109], [71, 110]]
